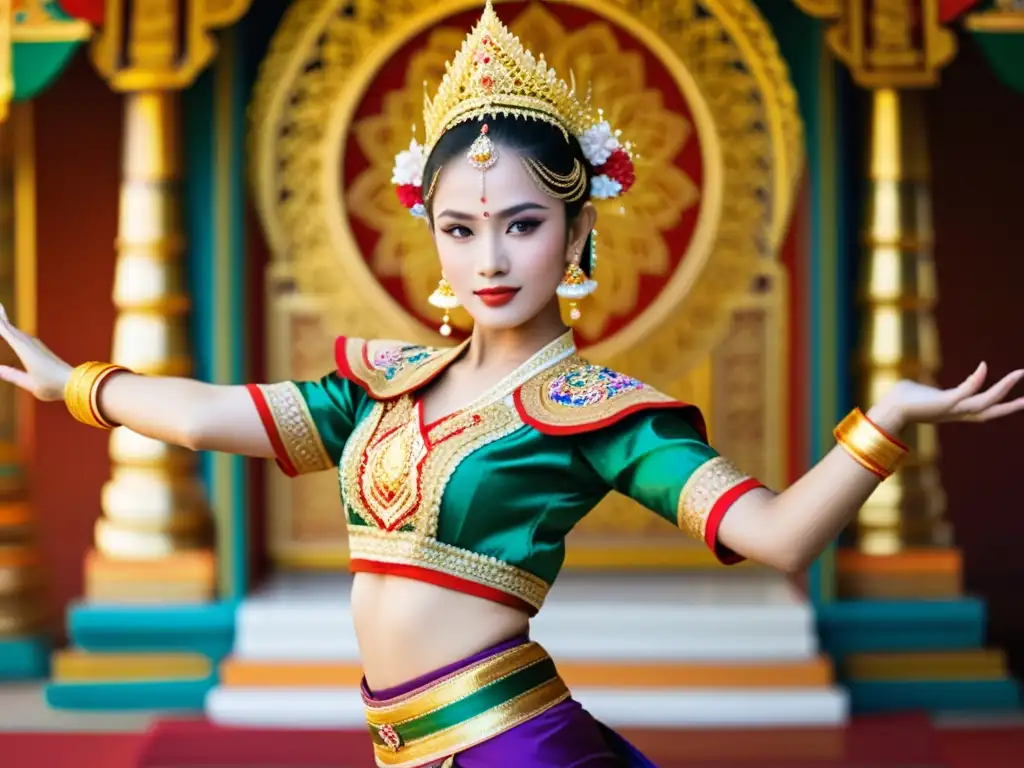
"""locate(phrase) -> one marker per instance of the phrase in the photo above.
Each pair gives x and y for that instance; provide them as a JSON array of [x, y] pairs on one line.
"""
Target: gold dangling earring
[[575, 286], [444, 298]]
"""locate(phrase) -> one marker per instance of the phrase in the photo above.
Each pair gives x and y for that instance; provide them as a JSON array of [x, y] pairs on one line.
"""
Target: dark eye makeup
[[517, 227]]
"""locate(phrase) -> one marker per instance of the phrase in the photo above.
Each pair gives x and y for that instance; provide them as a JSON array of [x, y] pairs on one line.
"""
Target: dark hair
[[536, 139]]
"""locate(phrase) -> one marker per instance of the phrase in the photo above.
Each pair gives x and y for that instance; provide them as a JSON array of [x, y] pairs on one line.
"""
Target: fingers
[[1000, 410], [16, 377], [969, 386], [8, 332], [990, 397]]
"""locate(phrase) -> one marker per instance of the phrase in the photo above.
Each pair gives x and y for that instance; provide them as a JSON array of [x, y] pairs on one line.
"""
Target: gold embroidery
[[296, 428], [711, 480], [409, 548], [387, 369], [391, 478], [576, 394]]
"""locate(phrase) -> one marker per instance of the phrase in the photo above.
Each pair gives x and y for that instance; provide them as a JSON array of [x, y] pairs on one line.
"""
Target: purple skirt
[[564, 736]]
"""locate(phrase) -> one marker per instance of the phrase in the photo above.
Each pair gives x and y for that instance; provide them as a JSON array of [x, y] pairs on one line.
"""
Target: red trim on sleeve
[[263, 409], [693, 413], [726, 556], [341, 360], [441, 580]]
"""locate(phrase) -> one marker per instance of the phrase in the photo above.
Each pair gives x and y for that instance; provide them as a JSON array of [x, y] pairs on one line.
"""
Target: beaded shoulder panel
[[575, 396], [389, 369]]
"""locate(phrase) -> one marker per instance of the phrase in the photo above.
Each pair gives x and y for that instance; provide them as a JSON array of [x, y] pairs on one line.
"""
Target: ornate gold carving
[[887, 43], [408, 548], [749, 401], [296, 428], [706, 486], [749, 132], [160, 44]]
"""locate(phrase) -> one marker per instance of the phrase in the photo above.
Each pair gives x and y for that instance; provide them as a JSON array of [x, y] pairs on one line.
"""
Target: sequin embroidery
[[388, 369], [575, 396], [590, 385], [392, 360]]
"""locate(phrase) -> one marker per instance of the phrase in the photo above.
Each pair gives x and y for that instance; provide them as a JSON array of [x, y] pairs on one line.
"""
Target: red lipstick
[[496, 297]]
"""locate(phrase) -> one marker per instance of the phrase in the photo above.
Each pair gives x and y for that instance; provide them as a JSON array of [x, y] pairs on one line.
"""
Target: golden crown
[[492, 75]]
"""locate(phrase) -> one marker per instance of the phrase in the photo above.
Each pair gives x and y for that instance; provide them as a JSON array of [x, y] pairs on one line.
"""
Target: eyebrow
[[505, 214]]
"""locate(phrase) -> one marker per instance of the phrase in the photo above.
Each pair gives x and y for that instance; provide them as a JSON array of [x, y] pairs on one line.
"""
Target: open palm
[[967, 401], [44, 375]]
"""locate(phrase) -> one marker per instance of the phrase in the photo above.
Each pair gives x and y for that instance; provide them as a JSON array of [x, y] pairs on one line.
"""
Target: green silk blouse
[[481, 501]]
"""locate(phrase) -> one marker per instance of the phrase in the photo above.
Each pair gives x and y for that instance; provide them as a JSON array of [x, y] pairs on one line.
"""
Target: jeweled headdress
[[492, 76]]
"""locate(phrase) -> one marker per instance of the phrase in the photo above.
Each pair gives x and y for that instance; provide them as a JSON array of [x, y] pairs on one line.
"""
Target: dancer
[[463, 469]]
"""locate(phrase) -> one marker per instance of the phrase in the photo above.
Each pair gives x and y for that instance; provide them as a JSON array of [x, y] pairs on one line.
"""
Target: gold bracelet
[[869, 445], [82, 389]]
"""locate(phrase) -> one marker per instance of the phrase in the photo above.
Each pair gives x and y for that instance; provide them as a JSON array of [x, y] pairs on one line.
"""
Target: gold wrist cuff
[[869, 445], [82, 388]]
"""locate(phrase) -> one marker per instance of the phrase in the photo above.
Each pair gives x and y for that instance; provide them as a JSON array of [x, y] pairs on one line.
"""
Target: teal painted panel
[[899, 612], [207, 629], [37, 65], [163, 696], [934, 697], [26, 658], [866, 626]]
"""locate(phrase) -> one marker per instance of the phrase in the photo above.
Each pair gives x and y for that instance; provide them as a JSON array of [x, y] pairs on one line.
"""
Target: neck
[[514, 346]]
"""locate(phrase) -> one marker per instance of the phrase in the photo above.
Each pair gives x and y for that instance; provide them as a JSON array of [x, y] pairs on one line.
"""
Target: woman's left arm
[[790, 529], [660, 459]]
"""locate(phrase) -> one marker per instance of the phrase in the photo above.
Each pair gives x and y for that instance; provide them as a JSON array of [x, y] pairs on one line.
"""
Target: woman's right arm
[[192, 414]]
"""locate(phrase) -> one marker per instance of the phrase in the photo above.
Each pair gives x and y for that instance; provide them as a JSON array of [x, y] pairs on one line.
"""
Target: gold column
[[22, 606], [899, 337], [153, 505]]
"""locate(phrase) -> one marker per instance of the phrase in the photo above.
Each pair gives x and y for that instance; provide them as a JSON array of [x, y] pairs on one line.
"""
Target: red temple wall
[[78, 138]]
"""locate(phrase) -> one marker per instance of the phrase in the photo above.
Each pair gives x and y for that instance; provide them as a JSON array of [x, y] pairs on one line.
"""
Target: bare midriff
[[408, 628]]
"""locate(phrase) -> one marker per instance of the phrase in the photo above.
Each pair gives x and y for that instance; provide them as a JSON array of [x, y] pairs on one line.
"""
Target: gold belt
[[465, 708]]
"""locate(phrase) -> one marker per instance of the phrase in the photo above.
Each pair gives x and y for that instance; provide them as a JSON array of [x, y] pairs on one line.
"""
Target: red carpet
[[891, 742]]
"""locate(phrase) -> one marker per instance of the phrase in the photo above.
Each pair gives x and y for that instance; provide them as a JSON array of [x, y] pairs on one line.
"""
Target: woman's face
[[505, 257]]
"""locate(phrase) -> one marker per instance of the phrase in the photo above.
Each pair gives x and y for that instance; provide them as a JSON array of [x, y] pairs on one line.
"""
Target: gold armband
[[869, 445], [82, 389]]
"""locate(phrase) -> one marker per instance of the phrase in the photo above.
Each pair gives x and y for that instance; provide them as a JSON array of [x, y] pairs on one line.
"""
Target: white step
[[685, 616], [342, 708]]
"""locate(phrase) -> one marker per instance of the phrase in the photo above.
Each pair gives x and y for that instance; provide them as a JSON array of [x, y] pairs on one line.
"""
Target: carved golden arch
[[722, 57], [750, 137]]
